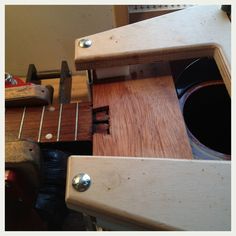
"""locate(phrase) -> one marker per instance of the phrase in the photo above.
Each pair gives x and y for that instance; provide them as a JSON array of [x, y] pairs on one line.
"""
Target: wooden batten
[[193, 32], [27, 95]]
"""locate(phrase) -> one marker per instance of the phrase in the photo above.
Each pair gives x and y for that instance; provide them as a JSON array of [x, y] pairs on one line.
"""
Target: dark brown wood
[[50, 121], [85, 122], [50, 124], [68, 122], [30, 129], [145, 118], [12, 123]]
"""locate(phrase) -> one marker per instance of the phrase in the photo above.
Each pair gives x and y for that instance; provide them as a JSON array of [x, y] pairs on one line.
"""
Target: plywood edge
[[223, 67], [165, 54], [144, 56], [155, 205]]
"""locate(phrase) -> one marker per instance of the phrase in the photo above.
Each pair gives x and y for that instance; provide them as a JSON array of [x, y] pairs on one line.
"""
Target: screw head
[[81, 182], [85, 43]]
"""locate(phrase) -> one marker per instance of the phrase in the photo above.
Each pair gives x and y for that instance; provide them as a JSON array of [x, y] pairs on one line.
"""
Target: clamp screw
[[81, 182], [85, 43], [10, 79]]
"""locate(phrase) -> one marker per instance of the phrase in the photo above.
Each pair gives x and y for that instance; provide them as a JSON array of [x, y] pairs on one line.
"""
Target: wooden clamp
[[193, 32], [154, 194], [146, 192]]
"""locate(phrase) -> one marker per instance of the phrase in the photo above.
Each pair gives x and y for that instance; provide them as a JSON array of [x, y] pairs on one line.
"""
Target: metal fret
[[21, 123], [59, 123], [41, 124], [76, 120]]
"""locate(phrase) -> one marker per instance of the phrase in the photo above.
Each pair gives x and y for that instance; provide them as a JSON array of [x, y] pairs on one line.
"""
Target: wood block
[[50, 125], [28, 95], [145, 118]]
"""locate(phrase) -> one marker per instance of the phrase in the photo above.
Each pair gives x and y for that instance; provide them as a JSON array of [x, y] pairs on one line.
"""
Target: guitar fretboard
[[62, 122]]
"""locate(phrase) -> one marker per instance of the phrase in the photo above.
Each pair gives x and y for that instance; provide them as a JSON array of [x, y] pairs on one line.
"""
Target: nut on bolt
[[81, 182]]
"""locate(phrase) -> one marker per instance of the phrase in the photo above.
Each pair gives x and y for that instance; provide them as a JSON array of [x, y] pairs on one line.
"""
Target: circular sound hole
[[207, 114]]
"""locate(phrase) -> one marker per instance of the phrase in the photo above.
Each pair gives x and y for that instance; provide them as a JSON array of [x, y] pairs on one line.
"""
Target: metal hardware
[[85, 43], [81, 182], [9, 79]]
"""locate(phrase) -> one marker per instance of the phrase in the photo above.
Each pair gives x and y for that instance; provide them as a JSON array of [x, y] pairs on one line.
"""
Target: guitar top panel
[[145, 117]]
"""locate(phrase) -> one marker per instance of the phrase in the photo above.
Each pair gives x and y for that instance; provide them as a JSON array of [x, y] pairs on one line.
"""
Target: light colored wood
[[79, 90], [145, 117], [193, 32], [120, 15], [27, 94], [154, 193]]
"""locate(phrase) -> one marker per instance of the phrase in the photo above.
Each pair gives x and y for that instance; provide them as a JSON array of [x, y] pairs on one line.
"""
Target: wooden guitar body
[[144, 174]]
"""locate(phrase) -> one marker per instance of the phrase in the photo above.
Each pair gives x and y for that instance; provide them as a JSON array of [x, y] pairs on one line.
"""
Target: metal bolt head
[[81, 182], [85, 43]]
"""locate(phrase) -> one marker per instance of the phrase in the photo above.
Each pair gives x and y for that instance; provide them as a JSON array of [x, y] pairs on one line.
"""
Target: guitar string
[[59, 123], [41, 124], [76, 120], [21, 123]]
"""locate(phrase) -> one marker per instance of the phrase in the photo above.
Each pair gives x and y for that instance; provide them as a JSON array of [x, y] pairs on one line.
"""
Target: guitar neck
[[57, 123]]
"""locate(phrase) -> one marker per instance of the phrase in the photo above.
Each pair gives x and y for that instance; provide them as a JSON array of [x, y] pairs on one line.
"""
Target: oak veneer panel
[[145, 119]]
